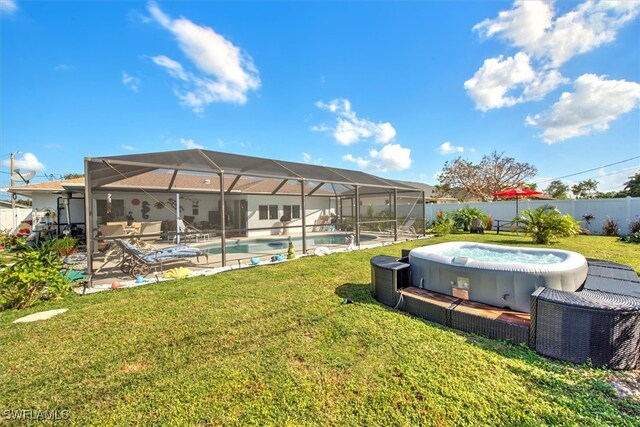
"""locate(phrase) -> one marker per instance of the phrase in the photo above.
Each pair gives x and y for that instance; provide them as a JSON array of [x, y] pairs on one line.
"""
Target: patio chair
[[110, 249], [150, 230], [138, 262], [189, 232]]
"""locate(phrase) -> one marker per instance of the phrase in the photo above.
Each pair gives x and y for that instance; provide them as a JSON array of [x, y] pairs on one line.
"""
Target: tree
[[632, 187], [495, 172], [585, 189], [72, 175], [546, 223], [557, 189]]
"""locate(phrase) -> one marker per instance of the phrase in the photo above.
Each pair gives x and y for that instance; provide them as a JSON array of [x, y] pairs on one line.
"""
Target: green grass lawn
[[274, 345]]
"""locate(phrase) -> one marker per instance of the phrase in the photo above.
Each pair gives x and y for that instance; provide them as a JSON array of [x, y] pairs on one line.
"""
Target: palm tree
[[546, 223], [633, 185]]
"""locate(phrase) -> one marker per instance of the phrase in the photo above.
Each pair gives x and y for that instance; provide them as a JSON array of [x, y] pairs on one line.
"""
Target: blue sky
[[394, 89]]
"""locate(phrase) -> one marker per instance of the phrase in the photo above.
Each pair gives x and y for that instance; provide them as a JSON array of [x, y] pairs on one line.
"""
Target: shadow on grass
[[357, 292]]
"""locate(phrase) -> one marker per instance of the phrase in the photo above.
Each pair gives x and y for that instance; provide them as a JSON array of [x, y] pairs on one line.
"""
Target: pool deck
[[109, 270]]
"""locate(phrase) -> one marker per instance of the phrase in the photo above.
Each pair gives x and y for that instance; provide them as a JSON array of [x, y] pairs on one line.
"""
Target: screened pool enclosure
[[218, 199]]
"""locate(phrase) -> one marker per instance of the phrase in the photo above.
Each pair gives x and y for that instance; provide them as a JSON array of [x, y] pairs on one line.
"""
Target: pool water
[[505, 257], [252, 246]]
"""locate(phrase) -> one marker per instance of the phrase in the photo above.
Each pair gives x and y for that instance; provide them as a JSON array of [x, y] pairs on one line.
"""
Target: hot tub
[[501, 276]]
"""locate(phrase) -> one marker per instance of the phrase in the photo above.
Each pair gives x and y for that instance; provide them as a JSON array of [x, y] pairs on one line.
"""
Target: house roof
[[73, 185], [198, 171]]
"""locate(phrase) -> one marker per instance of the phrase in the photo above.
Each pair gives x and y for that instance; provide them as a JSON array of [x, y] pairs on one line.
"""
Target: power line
[[590, 170], [614, 172]]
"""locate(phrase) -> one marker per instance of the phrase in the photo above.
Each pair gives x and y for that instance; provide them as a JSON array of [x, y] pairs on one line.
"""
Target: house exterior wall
[[315, 206], [146, 206], [45, 201]]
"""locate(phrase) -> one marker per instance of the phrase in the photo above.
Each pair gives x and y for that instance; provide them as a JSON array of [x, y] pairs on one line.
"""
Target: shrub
[[34, 276], [631, 238], [609, 227], [444, 224], [488, 225], [634, 227], [546, 223], [7, 239], [465, 215]]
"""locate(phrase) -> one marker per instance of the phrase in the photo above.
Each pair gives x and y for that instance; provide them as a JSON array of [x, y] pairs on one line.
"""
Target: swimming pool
[[268, 244]]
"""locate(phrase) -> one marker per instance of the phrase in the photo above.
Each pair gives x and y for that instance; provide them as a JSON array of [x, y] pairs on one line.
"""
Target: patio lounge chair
[[137, 262], [407, 229], [322, 223]]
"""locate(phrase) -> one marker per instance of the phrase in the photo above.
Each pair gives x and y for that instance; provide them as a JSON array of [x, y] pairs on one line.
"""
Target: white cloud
[[189, 143], [492, 86], [306, 157], [448, 148], [27, 162], [53, 146], [226, 74], [172, 67], [546, 41], [391, 157], [594, 104], [130, 81], [349, 128], [361, 162], [127, 147], [531, 26], [524, 25], [8, 6]]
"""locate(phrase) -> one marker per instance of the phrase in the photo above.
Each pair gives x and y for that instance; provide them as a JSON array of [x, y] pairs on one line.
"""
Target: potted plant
[[65, 246]]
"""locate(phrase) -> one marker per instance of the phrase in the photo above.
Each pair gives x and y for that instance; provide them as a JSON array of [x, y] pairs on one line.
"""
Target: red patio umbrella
[[516, 192]]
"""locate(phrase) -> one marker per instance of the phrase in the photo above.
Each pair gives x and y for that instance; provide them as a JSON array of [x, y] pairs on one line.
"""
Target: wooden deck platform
[[465, 315]]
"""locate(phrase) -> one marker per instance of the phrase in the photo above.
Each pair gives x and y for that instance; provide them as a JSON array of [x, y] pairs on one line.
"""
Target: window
[[273, 211], [291, 211], [263, 212], [195, 207], [117, 209], [268, 212]]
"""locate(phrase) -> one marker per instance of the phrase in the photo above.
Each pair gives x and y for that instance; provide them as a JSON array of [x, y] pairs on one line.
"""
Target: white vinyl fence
[[622, 211], [6, 217]]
